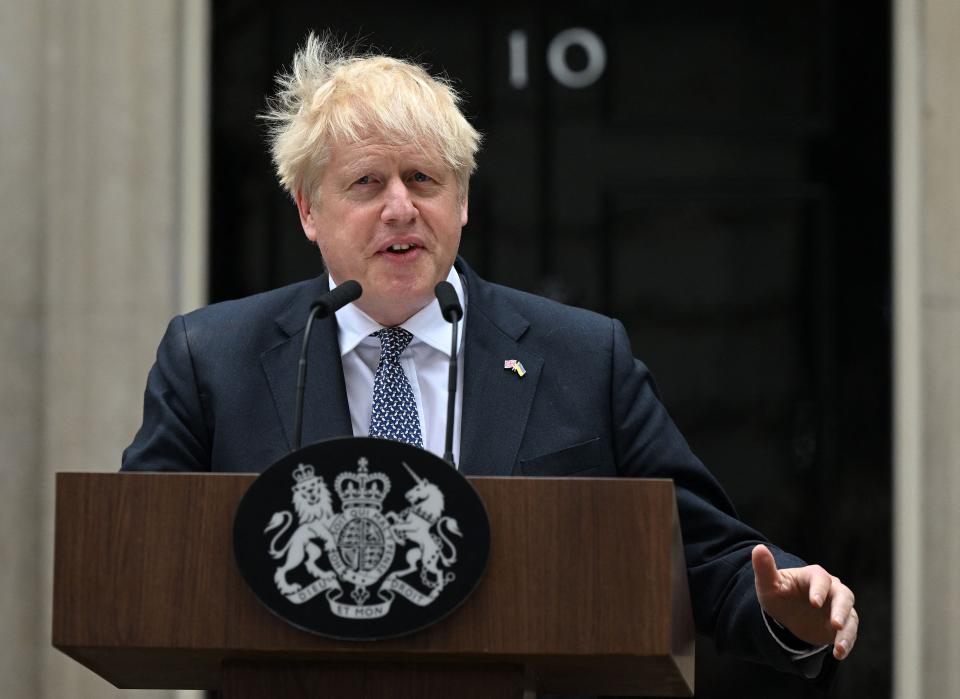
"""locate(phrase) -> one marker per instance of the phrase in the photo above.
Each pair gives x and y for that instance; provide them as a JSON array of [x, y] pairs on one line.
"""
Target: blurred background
[[764, 193]]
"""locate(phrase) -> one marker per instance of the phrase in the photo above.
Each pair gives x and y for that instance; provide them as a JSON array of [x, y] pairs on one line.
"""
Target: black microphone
[[452, 312], [329, 303], [449, 303], [337, 298]]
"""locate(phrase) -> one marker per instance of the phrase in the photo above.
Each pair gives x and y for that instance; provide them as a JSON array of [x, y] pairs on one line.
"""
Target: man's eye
[[420, 177], [364, 180]]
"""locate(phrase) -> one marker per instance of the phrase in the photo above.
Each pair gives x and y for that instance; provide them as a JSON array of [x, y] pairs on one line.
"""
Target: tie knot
[[392, 342]]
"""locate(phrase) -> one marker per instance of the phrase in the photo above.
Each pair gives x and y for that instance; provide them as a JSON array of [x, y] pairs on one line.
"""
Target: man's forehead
[[377, 148]]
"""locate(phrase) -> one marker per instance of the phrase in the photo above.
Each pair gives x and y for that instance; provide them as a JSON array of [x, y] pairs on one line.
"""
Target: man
[[377, 157]]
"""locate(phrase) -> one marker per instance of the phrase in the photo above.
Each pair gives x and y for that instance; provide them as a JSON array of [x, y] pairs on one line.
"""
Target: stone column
[[21, 348], [102, 118], [927, 349]]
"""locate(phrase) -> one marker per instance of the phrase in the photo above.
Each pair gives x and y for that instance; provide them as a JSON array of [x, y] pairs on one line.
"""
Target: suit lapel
[[326, 412], [496, 401]]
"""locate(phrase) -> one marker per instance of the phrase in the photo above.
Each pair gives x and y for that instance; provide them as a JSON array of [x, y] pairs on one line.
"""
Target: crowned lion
[[314, 508]]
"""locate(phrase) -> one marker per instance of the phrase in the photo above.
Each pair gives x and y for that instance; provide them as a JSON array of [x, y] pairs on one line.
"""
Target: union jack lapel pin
[[515, 366]]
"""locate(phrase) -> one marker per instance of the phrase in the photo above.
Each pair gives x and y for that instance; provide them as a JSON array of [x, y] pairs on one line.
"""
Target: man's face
[[390, 217]]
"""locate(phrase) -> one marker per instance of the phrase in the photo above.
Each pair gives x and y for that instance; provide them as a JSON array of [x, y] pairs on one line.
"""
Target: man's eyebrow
[[357, 168], [364, 162], [364, 165]]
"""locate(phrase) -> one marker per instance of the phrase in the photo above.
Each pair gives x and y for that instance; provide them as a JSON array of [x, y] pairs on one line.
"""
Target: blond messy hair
[[331, 97]]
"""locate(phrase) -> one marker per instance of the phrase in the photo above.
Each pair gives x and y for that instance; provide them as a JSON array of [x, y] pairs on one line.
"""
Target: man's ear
[[307, 219], [463, 210]]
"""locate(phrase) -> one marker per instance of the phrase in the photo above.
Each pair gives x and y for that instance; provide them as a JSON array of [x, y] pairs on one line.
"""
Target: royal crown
[[360, 488], [302, 473]]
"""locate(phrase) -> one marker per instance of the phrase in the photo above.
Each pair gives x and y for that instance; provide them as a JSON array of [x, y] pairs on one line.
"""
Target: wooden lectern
[[585, 593]]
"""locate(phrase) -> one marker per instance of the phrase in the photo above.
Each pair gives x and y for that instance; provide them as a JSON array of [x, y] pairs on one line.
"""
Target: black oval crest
[[361, 538]]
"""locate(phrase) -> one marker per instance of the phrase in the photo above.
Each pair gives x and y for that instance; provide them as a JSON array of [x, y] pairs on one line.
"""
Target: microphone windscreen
[[449, 303], [337, 298]]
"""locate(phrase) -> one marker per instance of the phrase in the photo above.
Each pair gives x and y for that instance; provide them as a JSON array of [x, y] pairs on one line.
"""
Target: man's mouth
[[401, 248]]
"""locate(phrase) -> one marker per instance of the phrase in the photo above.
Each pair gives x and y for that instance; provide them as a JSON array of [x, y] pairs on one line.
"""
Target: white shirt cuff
[[797, 654]]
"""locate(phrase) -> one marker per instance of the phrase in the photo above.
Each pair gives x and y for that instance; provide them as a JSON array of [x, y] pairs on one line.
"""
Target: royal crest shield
[[361, 538]]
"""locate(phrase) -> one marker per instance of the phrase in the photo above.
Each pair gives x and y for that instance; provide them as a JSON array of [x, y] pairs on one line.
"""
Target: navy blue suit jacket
[[221, 397]]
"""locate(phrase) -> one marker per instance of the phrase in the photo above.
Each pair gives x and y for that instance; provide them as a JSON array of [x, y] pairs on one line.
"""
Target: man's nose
[[398, 206]]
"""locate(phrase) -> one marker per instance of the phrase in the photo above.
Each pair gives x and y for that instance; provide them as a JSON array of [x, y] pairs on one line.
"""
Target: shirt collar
[[427, 325]]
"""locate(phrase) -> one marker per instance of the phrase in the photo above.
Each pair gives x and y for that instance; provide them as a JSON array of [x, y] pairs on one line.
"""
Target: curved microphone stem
[[451, 311], [451, 393], [302, 379], [329, 303]]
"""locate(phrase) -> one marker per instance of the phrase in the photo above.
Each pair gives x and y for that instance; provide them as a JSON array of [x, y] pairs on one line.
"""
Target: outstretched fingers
[[819, 585], [765, 571], [812, 604], [842, 600], [847, 636]]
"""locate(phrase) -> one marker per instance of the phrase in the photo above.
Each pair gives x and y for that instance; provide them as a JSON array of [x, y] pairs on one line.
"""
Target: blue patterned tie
[[394, 414]]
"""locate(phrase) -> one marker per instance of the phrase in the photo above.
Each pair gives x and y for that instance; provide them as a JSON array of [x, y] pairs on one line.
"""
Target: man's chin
[[395, 306]]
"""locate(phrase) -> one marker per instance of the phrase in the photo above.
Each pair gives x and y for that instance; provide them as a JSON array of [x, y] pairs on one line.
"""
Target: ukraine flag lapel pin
[[515, 366]]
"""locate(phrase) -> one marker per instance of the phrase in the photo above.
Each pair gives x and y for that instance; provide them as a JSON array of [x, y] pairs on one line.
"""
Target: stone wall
[[927, 349], [101, 236]]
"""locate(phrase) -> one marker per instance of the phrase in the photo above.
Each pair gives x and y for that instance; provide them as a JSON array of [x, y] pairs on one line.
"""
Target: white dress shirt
[[425, 362]]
